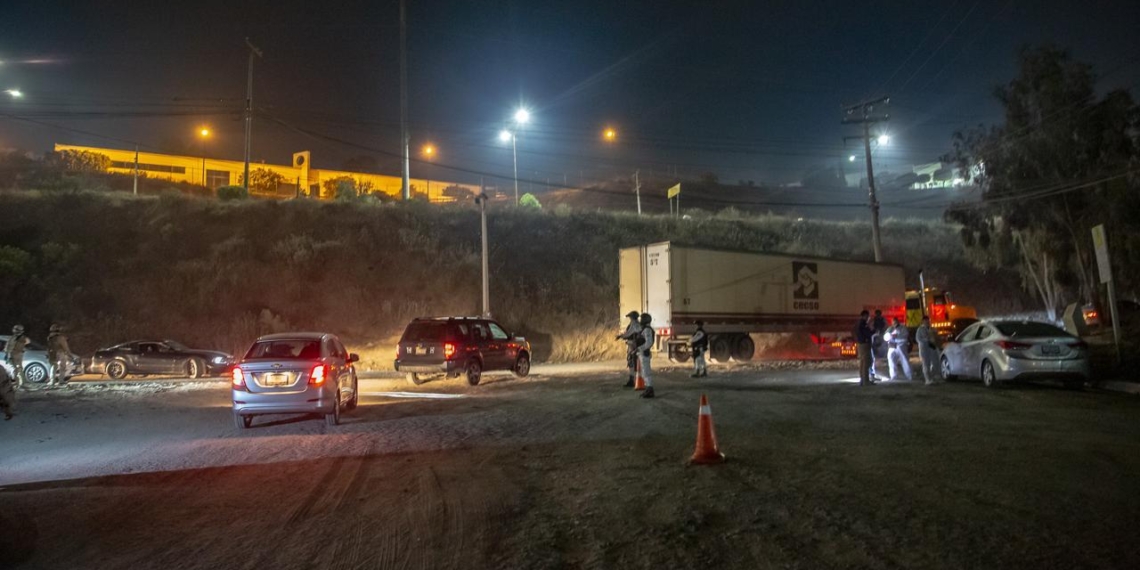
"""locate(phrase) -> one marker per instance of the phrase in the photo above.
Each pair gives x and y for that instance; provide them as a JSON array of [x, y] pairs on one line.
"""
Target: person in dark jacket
[[631, 337], [700, 345], [863, 334]]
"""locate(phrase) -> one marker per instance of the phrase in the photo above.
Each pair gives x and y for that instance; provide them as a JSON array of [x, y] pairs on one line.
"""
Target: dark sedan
[[145, 357]]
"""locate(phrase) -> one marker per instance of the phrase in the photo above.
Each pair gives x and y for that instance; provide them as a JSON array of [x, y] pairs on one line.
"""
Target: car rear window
[[427, 331], [1029, 330], [278, 349]]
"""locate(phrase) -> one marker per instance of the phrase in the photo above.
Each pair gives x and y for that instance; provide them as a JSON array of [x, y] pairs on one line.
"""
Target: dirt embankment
[[217, 274]]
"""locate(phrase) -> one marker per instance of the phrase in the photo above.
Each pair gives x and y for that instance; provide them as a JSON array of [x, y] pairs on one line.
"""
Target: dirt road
[[575, 472]]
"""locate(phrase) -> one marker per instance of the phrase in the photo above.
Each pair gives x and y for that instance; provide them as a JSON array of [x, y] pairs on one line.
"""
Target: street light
[[884, 139], [505, 136], [610, 135], [429, 153], [203, 134], [851, 158], [15, 93], [522, 116]]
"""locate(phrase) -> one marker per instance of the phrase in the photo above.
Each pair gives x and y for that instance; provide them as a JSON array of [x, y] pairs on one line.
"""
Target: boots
[[630, 383], [648, 393]]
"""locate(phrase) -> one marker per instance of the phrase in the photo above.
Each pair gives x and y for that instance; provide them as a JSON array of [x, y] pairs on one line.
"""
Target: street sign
[[1100, 245], [674, 191]]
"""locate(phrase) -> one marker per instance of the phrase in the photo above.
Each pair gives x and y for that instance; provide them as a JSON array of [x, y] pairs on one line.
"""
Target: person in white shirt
[[898, 341]]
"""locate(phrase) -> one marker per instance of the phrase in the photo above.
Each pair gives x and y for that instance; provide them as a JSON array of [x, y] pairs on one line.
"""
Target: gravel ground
[[571, 471]]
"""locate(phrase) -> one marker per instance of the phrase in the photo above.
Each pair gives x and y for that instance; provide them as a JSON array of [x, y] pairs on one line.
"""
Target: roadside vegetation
[[218, 273]]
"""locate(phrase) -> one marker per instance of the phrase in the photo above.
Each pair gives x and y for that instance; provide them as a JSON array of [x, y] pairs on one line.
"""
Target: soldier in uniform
[[59, 354], [898, 339], [927, 350], [630, 336], [7, 395], [700, 345], [644, 348], [14, 351]]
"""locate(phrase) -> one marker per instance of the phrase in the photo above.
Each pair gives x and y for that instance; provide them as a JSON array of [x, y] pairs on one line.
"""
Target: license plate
[[1050, 349], [275, 379]]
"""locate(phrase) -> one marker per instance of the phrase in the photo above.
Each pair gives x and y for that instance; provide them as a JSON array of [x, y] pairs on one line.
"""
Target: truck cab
[[945, 314]]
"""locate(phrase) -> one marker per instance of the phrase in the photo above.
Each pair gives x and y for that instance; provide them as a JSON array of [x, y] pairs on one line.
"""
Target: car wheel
[[946, 370], [195, 368], [333, 418], [351, 405], [989, 375], [35, 373], [474, 372], [414, 378], [242, 421], [720, 348], [522, 365], [117, 369]]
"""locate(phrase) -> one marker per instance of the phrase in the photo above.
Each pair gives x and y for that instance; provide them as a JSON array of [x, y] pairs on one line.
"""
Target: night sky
[[748, 90]]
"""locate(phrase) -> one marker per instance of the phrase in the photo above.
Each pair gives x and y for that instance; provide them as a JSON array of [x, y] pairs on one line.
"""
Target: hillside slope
[[114, 267]]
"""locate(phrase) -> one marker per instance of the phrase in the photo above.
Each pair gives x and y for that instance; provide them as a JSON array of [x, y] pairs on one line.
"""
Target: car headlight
[[219, 360]]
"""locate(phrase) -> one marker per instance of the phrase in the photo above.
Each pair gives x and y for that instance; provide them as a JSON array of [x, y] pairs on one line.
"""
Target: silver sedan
[[1007, 350]]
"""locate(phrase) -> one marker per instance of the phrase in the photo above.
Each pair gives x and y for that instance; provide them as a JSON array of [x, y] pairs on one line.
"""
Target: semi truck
[[736, 293]]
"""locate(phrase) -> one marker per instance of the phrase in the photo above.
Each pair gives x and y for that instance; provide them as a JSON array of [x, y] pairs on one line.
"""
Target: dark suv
[[459, 345]]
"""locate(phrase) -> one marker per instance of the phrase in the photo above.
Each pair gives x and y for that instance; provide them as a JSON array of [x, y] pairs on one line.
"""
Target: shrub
[[232, 193], [529, 201]]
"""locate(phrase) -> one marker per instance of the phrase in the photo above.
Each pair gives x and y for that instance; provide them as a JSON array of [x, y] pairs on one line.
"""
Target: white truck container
[[736, 293]]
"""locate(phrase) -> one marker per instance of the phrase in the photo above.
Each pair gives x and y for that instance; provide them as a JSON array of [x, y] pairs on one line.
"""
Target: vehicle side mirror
[[353, 357]]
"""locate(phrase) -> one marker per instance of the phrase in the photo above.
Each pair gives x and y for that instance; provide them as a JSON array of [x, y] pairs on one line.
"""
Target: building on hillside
[[291, 180]]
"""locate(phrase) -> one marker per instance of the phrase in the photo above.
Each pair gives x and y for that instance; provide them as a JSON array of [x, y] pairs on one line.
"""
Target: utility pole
[[637, 188], [253, 51], [136, 170], [865, 118], [404, 138], [482, 199]]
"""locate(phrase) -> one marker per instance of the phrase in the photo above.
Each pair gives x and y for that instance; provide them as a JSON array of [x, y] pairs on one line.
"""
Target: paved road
[[573, 471]]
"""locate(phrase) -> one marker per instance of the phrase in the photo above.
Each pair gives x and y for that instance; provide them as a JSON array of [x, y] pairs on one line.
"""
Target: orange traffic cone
[[707, 451], [638, 384]]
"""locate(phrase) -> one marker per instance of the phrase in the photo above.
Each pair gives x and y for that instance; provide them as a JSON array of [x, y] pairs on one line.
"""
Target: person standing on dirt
[[59, 354], [700, 345], [644, 348], [878, 346], [863, 334], [898, 339], [630, 336], [927, 341], [7, 394], [14, 351]]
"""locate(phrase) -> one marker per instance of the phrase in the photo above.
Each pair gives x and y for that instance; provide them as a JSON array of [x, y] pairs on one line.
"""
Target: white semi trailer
[[736, 293]]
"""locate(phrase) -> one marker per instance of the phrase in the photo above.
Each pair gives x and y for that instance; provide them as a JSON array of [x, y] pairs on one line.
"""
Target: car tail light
[[1011, 345], [238, 379], [1080, 345], [317, 376], [448, 350]]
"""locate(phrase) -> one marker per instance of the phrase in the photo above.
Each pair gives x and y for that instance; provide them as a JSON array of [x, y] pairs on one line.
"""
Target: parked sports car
[[36, 365], [1007, 350], [144, 357]]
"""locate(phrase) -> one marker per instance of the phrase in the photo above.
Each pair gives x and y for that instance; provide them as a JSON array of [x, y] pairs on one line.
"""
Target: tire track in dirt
[[315, 493]]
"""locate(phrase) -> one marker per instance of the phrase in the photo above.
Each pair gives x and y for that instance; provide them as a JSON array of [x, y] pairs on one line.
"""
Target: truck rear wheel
[[743, 348], [720, 348], [679, 353]]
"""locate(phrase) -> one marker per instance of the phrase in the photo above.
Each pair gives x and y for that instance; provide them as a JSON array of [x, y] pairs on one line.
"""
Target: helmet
[[632, 314], [55, 329], [18, 329], [646, 319], [700, 323]]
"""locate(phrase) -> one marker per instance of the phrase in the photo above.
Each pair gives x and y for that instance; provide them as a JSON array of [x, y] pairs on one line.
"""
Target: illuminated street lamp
[[884, 139], [505, 136], [15, 93], [203, 134], [522, 116], [851, 158], [429, 153], [609, 135]]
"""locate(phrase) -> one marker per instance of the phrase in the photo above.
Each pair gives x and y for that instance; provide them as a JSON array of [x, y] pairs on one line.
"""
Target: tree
[[460, 193], [81, 160], [226, 193], [263, 181], [1058, 165]]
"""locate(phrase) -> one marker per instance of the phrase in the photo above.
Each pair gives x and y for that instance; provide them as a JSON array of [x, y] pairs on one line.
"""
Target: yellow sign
[[674, 191]]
